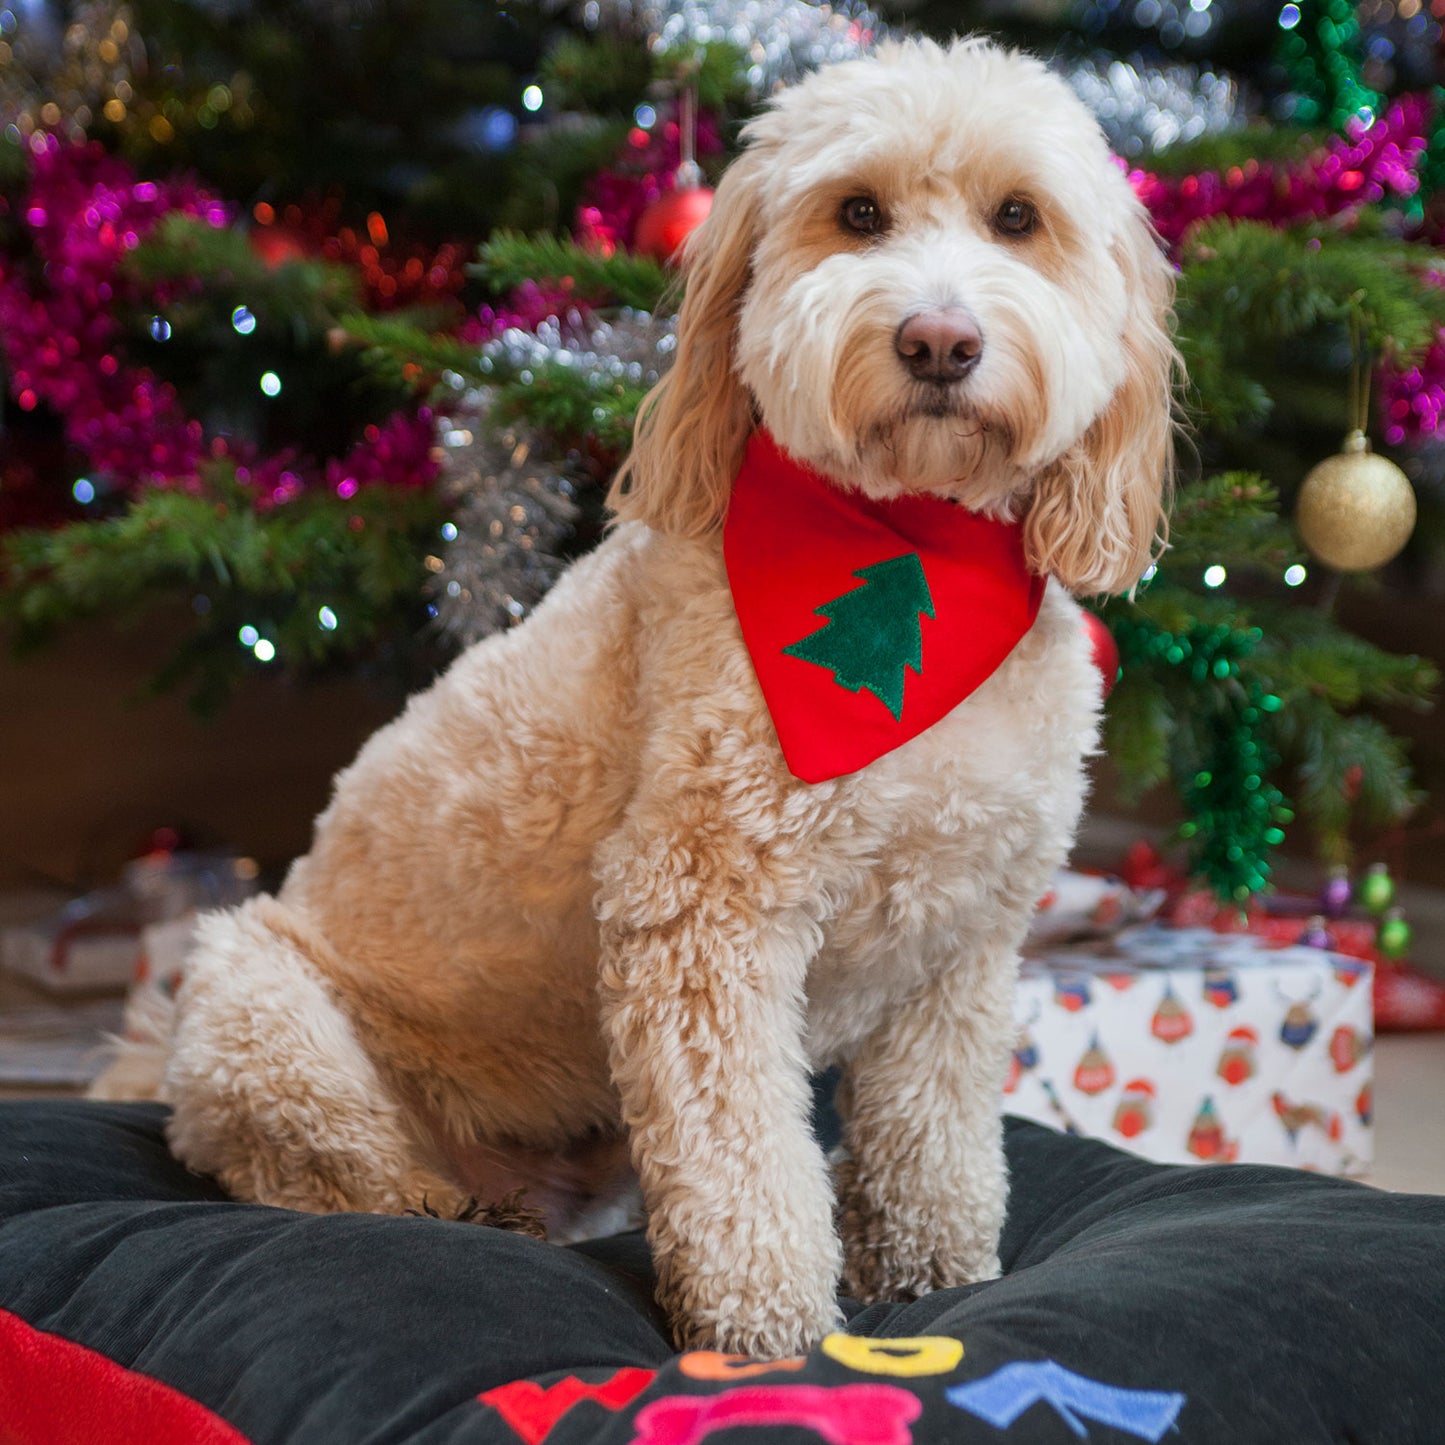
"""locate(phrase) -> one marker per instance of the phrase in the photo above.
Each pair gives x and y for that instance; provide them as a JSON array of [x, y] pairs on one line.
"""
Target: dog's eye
[[1016, 217], [862, 214]]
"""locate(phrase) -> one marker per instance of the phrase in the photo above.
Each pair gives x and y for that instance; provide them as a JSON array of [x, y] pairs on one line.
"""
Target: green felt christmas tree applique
[[872, 633]]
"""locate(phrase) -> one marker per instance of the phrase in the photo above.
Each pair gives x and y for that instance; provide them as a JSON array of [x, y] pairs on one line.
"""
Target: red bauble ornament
[[670, 220], [1105, 649], [276, 245]]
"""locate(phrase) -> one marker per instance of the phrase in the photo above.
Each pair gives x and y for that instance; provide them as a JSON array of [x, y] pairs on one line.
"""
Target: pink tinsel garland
[[1360, 168], [63, 345]]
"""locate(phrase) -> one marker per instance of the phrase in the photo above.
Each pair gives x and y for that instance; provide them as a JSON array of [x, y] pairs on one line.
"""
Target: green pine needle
[[509, 259], [275, 570]]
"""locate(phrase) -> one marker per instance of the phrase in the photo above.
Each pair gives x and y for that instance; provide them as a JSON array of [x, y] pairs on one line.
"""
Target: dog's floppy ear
[[1098, 513], [692, 427]]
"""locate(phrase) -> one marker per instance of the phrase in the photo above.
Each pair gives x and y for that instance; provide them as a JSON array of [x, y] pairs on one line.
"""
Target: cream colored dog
[[573, 900]]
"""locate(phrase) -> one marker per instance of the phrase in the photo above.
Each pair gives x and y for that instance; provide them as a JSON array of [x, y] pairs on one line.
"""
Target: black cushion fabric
[[1230, 1304]]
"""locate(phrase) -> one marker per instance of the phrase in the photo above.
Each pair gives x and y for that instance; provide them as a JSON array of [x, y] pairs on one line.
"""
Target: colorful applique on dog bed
[[1139, 1303]]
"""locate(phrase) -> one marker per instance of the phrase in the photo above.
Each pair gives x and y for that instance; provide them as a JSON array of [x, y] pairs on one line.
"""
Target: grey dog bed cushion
[[138, 1306]]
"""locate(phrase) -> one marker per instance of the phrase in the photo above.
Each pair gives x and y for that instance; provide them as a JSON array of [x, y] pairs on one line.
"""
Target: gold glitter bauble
[[1355, 510]]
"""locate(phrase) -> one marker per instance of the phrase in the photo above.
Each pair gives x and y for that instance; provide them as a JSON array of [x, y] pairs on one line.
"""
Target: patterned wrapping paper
[[1191, 1046]]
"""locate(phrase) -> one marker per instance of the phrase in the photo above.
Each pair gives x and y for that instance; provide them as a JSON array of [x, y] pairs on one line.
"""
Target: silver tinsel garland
[[515, 495], [634, 346], [1145, 108], [515, 510], [781, 39]]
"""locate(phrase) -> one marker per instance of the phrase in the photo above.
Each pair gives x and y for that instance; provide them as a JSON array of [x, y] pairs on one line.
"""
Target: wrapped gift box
[[1187, 1045], [94, 942]]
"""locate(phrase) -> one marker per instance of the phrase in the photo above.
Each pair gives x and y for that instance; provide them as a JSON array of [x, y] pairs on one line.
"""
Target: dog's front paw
[[905, 1269], [899, 1251], [767, 1313]]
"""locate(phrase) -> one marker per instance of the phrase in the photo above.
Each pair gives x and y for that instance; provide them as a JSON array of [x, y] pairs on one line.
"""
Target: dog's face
[[926, 273], [934, 302]]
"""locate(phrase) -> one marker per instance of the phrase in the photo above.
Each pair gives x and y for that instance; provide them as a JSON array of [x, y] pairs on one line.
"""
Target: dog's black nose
[[940, 346]]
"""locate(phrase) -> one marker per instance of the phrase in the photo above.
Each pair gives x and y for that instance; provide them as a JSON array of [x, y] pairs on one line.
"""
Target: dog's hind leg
[[271, 1089]]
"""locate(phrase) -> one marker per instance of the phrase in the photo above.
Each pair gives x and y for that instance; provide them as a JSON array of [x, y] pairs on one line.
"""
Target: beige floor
[[1410, 1113]]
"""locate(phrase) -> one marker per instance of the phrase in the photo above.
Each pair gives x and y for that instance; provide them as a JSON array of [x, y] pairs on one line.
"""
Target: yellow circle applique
[[921, 1355]]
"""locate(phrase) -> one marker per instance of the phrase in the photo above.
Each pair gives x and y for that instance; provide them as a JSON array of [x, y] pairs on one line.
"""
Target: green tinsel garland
[[1223, 759], [1432, 165], [1320, 57]]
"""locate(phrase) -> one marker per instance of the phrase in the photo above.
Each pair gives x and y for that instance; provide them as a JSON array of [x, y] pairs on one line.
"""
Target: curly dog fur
[[572, 902]]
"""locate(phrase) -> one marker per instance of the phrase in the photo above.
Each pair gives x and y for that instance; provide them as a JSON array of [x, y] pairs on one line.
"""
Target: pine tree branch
[[399, 349], [570, 405], [1231, 518], [716, 69], [597, 74], [182, 248], [1226, 149], [360, 559], [1343, 768], [1138, 724], [1309, 653], [551, 171], [508, 259], [1248, 283], [1246, 288]]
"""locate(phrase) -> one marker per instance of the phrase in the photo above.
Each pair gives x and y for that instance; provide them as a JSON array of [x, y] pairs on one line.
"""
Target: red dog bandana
[[866, 621]]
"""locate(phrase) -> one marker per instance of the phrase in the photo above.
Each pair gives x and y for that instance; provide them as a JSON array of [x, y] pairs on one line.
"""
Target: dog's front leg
[[922, 1193], [702, 997]]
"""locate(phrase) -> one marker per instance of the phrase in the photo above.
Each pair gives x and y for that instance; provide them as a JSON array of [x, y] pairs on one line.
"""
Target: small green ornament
[[1377, 889], [1393, 939]]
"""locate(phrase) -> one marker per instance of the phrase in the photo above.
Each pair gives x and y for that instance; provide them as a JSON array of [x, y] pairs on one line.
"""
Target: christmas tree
[[331, 326], [872, 635]]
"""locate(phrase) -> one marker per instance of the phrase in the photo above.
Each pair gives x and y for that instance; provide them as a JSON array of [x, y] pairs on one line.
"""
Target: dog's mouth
[[949, 405], [964, 422], [927, 429], [938, 402]]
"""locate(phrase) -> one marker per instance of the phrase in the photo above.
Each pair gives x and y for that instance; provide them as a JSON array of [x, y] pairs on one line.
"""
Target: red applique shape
[[56, 1392], [532, 1410], [841, 1414]]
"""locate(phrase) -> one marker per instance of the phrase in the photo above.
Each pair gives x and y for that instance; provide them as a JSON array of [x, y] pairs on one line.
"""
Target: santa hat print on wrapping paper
[[1237, 1059], [1134, 1113]]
